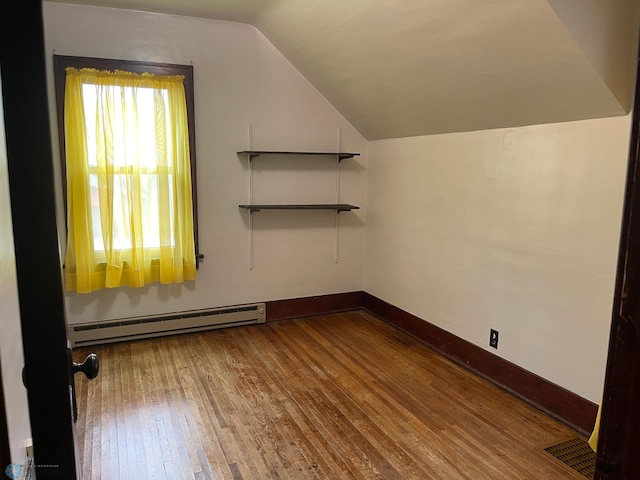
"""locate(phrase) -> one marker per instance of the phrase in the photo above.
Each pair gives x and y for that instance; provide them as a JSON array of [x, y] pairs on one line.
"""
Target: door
[[14, 426], [47, 373]]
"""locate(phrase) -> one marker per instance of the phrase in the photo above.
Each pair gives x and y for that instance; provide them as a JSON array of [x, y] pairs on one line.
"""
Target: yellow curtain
[[129, 203]]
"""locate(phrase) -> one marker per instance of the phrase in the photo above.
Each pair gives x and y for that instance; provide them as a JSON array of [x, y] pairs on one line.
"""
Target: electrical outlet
[[493, 338]]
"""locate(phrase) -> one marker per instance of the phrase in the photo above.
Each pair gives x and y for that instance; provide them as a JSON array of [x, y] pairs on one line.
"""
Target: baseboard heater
[[133, 328]]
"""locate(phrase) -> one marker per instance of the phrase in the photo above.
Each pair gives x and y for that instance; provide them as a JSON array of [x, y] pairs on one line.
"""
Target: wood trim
[[316, 305], [577, 412], [571, 409], [35, 232]]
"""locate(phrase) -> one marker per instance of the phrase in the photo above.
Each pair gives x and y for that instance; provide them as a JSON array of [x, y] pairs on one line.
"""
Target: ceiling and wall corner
[[607, 33], [421, 67]]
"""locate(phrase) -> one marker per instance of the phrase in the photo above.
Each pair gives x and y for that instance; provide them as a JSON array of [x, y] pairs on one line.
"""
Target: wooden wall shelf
[[339, 207], [256, 153]]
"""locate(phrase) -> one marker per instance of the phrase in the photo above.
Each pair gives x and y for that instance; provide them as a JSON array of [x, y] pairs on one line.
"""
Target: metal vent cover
[[576, 453]]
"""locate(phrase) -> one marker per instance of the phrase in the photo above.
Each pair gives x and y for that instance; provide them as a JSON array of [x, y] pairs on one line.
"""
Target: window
[[127, 143]]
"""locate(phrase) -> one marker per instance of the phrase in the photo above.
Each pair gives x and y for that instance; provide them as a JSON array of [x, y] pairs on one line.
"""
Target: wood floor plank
[[349, 405], [342, 396], [380, 403], [303, 421]]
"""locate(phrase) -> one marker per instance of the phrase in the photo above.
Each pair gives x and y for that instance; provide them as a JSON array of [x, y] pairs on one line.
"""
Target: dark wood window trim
[[61, 62]]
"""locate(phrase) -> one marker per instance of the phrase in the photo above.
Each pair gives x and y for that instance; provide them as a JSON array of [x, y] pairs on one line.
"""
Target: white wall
[[240, 79], [512, 229], [11, 354]]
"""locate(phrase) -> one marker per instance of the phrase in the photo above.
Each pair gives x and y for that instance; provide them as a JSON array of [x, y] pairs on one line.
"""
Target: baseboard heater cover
[[132, 328]]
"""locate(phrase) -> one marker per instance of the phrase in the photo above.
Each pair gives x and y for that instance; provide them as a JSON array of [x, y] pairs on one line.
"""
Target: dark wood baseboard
[[317, 305], [573, 410]]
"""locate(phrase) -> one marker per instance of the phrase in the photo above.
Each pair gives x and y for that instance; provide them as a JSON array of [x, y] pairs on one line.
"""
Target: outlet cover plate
[[493, 338]]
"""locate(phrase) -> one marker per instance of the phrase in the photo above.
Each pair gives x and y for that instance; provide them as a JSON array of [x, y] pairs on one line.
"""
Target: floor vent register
[[576, 453]]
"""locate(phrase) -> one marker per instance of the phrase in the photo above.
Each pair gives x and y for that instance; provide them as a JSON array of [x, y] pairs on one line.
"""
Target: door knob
[[90, 367]]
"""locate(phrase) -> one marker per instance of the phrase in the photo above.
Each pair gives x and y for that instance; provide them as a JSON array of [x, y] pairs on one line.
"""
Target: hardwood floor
[[341, 396]]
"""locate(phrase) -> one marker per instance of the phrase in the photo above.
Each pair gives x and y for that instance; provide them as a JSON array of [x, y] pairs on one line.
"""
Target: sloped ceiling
[[398, 68]]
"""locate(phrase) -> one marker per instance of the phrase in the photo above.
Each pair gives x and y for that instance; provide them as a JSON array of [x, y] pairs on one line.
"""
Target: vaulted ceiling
[[398, 68]]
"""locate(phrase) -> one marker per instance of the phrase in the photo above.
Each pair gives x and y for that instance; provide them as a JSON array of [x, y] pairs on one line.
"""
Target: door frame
[[618, 447], [33, 205]]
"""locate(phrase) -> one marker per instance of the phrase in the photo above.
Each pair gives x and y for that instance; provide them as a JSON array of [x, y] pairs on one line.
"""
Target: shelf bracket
[[249, 159], [339, 158]]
